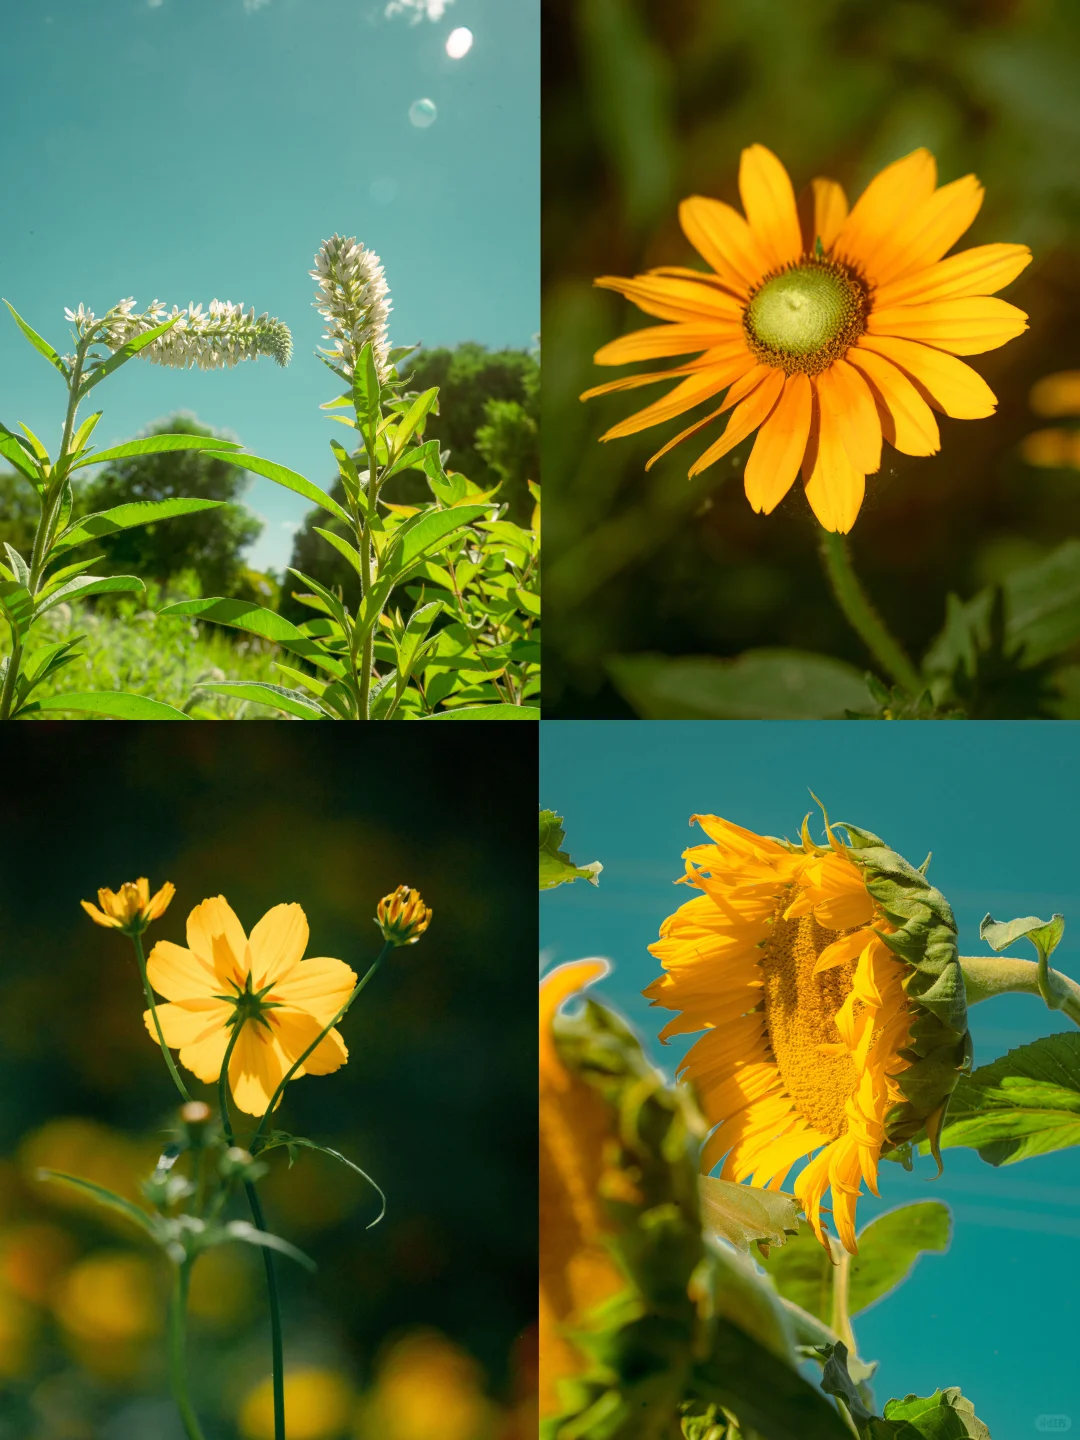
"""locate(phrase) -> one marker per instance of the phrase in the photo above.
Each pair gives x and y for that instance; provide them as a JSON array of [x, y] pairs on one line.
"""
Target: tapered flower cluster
[[354, 300], [224, 334]]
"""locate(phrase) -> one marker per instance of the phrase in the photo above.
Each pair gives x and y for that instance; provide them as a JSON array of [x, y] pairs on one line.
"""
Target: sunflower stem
[[861, 615], [257, 1138], [177, 1346], [988, 975], [136, 940]]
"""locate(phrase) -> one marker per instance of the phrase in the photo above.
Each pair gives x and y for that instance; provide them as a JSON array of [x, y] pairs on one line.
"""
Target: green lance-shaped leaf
[[82, 435], [106, 1198], [20, 571], [367, 392], [291, 1142], [248, 1234], [14, 451], [257, 620], [125, 353], [1024, 1103], [342, 546], [412, 418], [745, 1215], [16, 606], [157, 445], [63, 575], [126, 517], [556, 867], [259, 692], [112, 703], [40, 345], [35, 444], [488, 712], [421, 534], [84, 585], [281, 475]]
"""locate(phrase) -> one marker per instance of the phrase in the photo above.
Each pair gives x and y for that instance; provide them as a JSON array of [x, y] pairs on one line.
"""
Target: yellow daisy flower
[[830, 329], [225, 976], [827, 982], [130, 909]]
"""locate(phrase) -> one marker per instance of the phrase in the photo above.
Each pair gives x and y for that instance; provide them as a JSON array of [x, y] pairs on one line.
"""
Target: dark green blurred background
[[437, 1100], [647, 101]]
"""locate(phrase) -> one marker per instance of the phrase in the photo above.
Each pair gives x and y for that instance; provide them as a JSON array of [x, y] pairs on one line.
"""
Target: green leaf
[[288, 478], [64, 574], [1045, 935], [367, 392], [106, 1198], [342, 546], [17, 605], [42, 346], [889, 1247], [156, 445], [488, 712], [804, 1274], [1024, 1103], [757, 685], [20, 571], [248, 1234], [290, 702], [126, 517], [835, 1380], [280, 1138], [114, 703], [743, 1214], [945, 1415], [35, 444], [123, 355], [84, 585], [556, 867], [411, 419], [82, 435], [257, 620], [421, 533], [14, 451]]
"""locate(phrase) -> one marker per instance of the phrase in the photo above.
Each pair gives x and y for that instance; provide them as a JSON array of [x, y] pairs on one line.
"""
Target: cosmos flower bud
[[195, 1112], [131, 909], [403, 917], [354, 300]]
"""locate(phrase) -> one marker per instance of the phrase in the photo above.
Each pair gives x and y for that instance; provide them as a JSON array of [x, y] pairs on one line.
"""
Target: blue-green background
[[998, 804], [201, 149]]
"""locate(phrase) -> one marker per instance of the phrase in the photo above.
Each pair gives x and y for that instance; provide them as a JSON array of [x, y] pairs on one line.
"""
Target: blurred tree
[[210, 543], [18, 512]]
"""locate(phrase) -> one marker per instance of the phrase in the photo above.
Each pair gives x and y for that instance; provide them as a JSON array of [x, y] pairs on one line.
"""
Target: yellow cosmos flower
[[827, 981], [224, 977], [829, 329], [576, 1268], [403, 917], [132, 908]]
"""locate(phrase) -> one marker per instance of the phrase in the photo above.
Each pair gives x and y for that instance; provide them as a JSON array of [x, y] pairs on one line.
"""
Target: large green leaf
[[13, 450], [890, 1246], [488, 712], [290, 702], [803, 1273], [288, 478], [114, 703], [83, 585], [1025, 1103], [742, 1214], [758, 685], [945, 1415], [41, 345], [156, 445], [421, 534], [240, 614], [556, 867], [126, 517]]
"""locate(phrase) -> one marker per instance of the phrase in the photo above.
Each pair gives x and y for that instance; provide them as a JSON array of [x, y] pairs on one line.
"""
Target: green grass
[[130, 648]]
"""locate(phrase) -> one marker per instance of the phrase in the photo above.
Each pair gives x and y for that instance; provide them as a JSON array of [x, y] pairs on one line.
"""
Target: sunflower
[[263, 983], [827, 982], [829, 329]]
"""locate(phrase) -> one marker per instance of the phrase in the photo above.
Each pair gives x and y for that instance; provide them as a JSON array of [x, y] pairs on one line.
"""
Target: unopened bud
[[403, 917]]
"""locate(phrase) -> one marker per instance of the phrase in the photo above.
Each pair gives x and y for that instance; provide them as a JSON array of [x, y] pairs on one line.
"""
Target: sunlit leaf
[[556, 866]]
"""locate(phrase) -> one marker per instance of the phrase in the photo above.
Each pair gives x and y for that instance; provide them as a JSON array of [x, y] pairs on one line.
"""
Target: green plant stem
[[136, 941], [12, 675], [51, 506], [257, 1138], [177, 1362], [861, 615], [368, 644], [986, 976]]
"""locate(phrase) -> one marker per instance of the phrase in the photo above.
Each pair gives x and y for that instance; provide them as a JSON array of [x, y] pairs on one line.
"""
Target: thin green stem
[[223, 1081], [368, 644], [54, 492], [257, 1138], [276, 1344], [988, 975], [861, 615], [177, 1359], [136, 941], [12, 674]]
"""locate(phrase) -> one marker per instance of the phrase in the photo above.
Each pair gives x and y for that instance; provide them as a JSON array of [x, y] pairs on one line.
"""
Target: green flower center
[[807, 316]]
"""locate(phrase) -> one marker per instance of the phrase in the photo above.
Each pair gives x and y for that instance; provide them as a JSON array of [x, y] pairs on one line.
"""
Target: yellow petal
[[319, 985], [967, 326], [660, 341], [109, 921], [256, 1069], [950, 385], [978, 271], [188, 1023], [216, 936], [725, 241], [834, 487], [277, 944], [907, 422], [850, 399], [928, 231], [204, 1058], [889, 196], [769, 202], [823, 208], [778, 450], [688, 393], [296, 1030], [745, 418], [671, 299], [178, 974]]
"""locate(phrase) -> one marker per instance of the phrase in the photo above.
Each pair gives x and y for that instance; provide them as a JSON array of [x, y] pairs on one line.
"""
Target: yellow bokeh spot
[[1057, 394], [92, 1151], [32, 1258], [220, 1291], [428, 1389], [110, 1297], [318, 1406], [1052, 449], [18, 1332]]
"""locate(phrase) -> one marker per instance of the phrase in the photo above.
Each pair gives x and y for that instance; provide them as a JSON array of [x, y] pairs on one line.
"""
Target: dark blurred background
[[418, 1329], [647, 101]]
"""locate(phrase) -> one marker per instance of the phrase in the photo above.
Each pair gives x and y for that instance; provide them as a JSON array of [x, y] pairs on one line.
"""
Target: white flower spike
[[354, 300]]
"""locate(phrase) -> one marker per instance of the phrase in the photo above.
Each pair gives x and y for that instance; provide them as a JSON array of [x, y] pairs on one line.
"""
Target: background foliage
[[414, 1330], [647, 101]]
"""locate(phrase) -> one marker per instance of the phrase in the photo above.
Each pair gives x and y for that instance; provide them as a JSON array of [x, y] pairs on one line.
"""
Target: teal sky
[[997, 803], [198, 149]]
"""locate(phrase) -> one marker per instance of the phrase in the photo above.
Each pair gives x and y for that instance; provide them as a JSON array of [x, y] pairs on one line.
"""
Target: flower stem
[[861, 615], [177, 1363], [988, 975], [136, 940], [256, 1139]]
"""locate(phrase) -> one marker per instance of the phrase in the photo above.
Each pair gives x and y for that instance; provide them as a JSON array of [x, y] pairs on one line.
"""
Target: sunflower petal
[[907, 422], [951, 386], [769, 202], [834, 487], [890, 195], [778, 450], [978, 271], [725, 241], [968, 326], [745, 418]]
